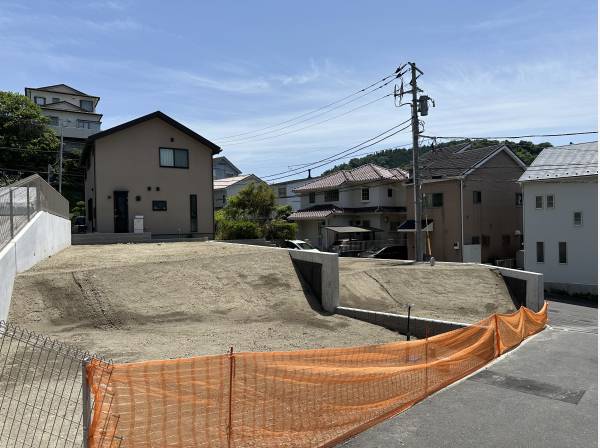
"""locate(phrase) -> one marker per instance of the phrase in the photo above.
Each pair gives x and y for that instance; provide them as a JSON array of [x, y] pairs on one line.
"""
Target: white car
[[298, 245]]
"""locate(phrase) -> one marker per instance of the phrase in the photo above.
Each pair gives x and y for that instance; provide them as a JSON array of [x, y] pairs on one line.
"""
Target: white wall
[[43, 236], [554, 225]]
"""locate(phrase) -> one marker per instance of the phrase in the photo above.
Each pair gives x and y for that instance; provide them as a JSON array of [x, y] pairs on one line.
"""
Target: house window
[[485, 240], [39, 100], [477, 197], [578, 218], [434, 200], [332, 195], [364, 194], [282, 192], [56, 100], [539, 251], [550, 201], [562, 252], [86, 105], [174, 158], [475, 239], [539, 202], [54, 121], [519, 199], [159, 206], [86, 124], [311, 197], [506, 240], [390, 192]]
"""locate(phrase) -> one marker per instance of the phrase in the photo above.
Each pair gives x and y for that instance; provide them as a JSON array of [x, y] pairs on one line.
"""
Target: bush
[[281, 230], [237, 230]]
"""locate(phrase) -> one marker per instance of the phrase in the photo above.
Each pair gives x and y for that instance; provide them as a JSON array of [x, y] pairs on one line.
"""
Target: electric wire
[[393, 75]]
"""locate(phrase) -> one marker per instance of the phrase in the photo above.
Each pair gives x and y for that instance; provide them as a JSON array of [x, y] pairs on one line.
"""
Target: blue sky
[[223, 68]]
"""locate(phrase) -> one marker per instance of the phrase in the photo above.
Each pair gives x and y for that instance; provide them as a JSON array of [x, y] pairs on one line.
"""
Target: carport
[[352, 238]]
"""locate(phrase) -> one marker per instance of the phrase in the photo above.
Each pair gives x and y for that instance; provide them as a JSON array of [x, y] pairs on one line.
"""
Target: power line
[[333, 160], [394, 75], [510, 137], [253, 139], [344, 152], [17, 170]]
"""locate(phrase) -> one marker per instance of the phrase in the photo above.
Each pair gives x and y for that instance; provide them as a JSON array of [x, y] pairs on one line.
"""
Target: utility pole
[[419, 105], [60, 161], [415, 154]]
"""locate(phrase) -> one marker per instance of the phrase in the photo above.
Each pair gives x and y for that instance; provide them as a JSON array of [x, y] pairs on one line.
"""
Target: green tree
[[255, 202], [252, 213], [26, 141]]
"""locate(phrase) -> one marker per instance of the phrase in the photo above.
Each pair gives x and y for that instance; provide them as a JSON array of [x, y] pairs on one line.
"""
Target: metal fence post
[[12, 213], [86, 401], [28, 211]]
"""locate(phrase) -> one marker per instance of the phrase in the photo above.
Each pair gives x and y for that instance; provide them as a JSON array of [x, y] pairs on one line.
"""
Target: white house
[[361, 205], [560, 217], [285, 194], [230, 186]]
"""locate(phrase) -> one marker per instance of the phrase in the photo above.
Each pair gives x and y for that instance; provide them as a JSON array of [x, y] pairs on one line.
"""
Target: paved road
[[544, 394]]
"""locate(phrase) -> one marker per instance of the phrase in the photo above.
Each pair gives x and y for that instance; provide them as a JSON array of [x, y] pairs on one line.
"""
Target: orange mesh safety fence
[[308, 398]]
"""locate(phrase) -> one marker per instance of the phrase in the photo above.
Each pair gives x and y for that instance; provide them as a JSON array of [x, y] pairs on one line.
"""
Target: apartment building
[[72, 113]]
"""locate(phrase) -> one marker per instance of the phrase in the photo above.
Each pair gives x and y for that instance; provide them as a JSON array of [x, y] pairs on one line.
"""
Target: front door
[[121, 202], [193, 213]]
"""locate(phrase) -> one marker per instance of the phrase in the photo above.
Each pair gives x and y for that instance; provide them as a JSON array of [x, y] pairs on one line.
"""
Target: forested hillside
[[402, 157]]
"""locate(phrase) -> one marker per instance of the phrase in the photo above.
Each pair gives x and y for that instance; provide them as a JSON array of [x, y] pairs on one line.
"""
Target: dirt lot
[[457, 292], [155, 301]]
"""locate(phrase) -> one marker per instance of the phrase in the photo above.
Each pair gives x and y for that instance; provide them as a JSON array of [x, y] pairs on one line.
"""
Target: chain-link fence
[[44, 397], [21, 200]]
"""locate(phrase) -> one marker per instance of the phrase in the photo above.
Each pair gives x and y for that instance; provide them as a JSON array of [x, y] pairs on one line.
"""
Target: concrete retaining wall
[[534, 287], [419, 327], [327, 266], [43, 236], [111, 238]]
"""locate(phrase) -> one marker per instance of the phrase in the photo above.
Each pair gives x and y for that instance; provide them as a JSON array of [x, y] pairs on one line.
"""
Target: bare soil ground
[[133, 302], [456, 292]]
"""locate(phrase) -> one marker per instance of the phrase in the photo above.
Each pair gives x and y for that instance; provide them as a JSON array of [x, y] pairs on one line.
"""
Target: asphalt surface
[[543, 394]]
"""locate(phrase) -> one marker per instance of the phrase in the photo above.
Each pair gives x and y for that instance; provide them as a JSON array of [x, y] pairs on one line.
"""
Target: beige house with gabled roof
[[153, 167]]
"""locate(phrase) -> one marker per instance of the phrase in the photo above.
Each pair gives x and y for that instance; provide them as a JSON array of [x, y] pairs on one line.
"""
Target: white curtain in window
[[166, 157]]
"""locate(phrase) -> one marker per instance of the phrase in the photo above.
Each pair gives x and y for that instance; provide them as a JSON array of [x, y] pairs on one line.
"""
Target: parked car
[[389, 252], [298, 245], [79, 225]]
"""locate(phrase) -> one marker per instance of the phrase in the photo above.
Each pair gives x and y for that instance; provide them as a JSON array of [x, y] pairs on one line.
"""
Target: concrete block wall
[[43, 236]]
